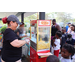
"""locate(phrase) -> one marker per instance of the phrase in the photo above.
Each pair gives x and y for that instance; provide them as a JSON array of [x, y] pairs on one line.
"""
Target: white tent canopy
[[26, 14], [6, 14]]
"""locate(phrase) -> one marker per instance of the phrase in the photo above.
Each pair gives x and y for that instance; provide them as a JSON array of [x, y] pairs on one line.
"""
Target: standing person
[[64, 37], [20, 31], [67, 26], [70, 40], [12, 46], [55, 28], [73, 31], [56, 43]]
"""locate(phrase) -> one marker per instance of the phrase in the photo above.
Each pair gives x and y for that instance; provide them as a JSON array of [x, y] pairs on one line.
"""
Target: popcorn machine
[[40, 34]]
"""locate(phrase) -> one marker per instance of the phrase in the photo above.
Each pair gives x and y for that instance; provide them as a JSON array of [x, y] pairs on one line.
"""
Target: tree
[[60, 17], [50, 15], [25, 25], [63, 17]]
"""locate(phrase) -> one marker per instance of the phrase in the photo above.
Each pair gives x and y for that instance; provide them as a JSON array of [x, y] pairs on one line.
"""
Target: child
[[67, 52], [70, 40], [64, 37], [56, 43], [52, 58]]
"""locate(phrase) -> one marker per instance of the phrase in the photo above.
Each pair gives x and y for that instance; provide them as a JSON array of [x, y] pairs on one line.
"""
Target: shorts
[[56, 52]]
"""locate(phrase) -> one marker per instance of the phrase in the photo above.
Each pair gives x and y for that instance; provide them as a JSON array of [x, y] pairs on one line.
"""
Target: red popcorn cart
[[40, 34]]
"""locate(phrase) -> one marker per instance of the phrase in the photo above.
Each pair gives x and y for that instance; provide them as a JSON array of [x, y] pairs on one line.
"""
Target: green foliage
[[28, 31], [25, 25], [61, 17], [2, 29], [31, 17]]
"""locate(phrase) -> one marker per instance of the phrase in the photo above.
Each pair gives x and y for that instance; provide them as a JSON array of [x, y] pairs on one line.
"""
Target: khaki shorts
[[15, 61]]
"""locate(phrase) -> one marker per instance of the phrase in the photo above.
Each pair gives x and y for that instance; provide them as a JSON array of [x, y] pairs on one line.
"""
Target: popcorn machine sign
[[44, 23]]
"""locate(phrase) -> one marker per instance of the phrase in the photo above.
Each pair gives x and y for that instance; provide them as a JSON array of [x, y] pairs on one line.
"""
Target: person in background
[[70, 40], [67, 51], [55, 28], [64, 37], [20, 31], [52, 58], [68, 28], [56, 43], [12, 45], [73, 31]]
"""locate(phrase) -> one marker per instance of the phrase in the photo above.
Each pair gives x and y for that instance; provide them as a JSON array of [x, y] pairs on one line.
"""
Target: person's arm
[[69, 30], [58, 27], [23, 36], [13, 39], [18, 43], [54, 43], [2, 40]]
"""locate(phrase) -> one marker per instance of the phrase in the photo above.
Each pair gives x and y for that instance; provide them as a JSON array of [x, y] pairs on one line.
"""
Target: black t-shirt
[[10, 53], [72, 41], [54, 30], [64, 38]]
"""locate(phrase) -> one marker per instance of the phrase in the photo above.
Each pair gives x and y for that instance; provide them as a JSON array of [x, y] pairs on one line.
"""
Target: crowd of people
[[63, 41]]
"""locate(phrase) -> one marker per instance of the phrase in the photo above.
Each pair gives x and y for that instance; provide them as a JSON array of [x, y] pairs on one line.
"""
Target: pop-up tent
[[22, 15]]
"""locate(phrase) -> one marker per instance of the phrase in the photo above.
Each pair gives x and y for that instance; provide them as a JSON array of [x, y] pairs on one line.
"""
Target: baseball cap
[[14, 18]]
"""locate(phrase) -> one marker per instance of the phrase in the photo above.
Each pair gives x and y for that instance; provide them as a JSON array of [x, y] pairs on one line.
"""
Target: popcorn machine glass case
[[40, 36]]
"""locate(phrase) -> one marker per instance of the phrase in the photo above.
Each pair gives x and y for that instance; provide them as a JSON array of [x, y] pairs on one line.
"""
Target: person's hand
[[27, 40], [25, 36]]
